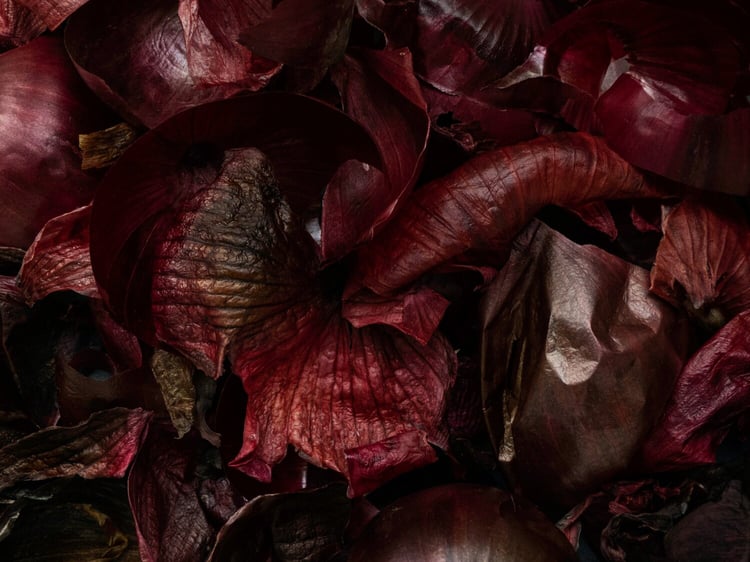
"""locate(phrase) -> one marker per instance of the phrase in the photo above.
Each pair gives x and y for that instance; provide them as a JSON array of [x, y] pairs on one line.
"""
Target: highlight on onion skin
[[459, 522]]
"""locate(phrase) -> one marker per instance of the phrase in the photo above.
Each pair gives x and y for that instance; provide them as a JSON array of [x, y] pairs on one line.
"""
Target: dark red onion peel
[[133, 56], [44, 106], [655, 80], [18, 25], [59, 259], [703, 260]]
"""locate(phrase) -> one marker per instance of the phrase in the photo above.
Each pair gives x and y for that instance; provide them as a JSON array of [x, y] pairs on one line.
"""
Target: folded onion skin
[[578, 364], [658, 81], [58, 259], [703, 260], [134, 57], [709, 398], [144, 186], [18, 25]]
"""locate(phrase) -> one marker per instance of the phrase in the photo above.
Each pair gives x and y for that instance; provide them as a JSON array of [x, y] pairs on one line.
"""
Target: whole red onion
[[461, 522]]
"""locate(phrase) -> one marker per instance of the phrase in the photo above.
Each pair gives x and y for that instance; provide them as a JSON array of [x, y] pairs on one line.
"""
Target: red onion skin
[[482, 205]]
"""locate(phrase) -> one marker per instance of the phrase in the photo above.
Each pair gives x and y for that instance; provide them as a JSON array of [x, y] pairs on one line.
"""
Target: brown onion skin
[[461, 523]]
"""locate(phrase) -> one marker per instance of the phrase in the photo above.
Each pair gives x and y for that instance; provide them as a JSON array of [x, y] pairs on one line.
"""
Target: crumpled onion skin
[[361, 401], [461, 522], [52, 12], [710, 396], [101, 447], [461, 44], [379, 91], [44, 106], [178, 501], [142, 190], [58, 259], [578, 363]]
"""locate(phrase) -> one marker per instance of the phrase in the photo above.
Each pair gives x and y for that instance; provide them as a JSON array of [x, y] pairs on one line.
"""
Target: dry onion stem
[[101, 148]]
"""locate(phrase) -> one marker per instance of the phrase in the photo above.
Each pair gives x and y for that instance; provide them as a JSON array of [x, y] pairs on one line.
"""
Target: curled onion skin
[[459, 522], [482, 205]]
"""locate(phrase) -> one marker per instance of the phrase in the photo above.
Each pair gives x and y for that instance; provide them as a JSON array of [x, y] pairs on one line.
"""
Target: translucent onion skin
[[461, 523]]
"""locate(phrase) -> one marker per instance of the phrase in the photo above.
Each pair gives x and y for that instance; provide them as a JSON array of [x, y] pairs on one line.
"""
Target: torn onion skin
[[662, 83]]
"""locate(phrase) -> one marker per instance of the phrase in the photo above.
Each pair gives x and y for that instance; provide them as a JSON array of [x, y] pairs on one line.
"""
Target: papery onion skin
[[197, 242], [655, 80], [133, 55], [140, 190], [703, 260], [460, 522], [461, 44], [379, 90], [18, 25], [58, 259], [710, 396], [53, 12]]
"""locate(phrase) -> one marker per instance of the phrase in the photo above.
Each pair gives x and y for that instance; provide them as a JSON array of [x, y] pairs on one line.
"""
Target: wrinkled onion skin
[[483, 204], [44, 106], [460, 522], [18, 25]]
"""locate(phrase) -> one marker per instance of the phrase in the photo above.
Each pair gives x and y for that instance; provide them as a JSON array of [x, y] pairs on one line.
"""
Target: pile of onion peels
[[278, 278]]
